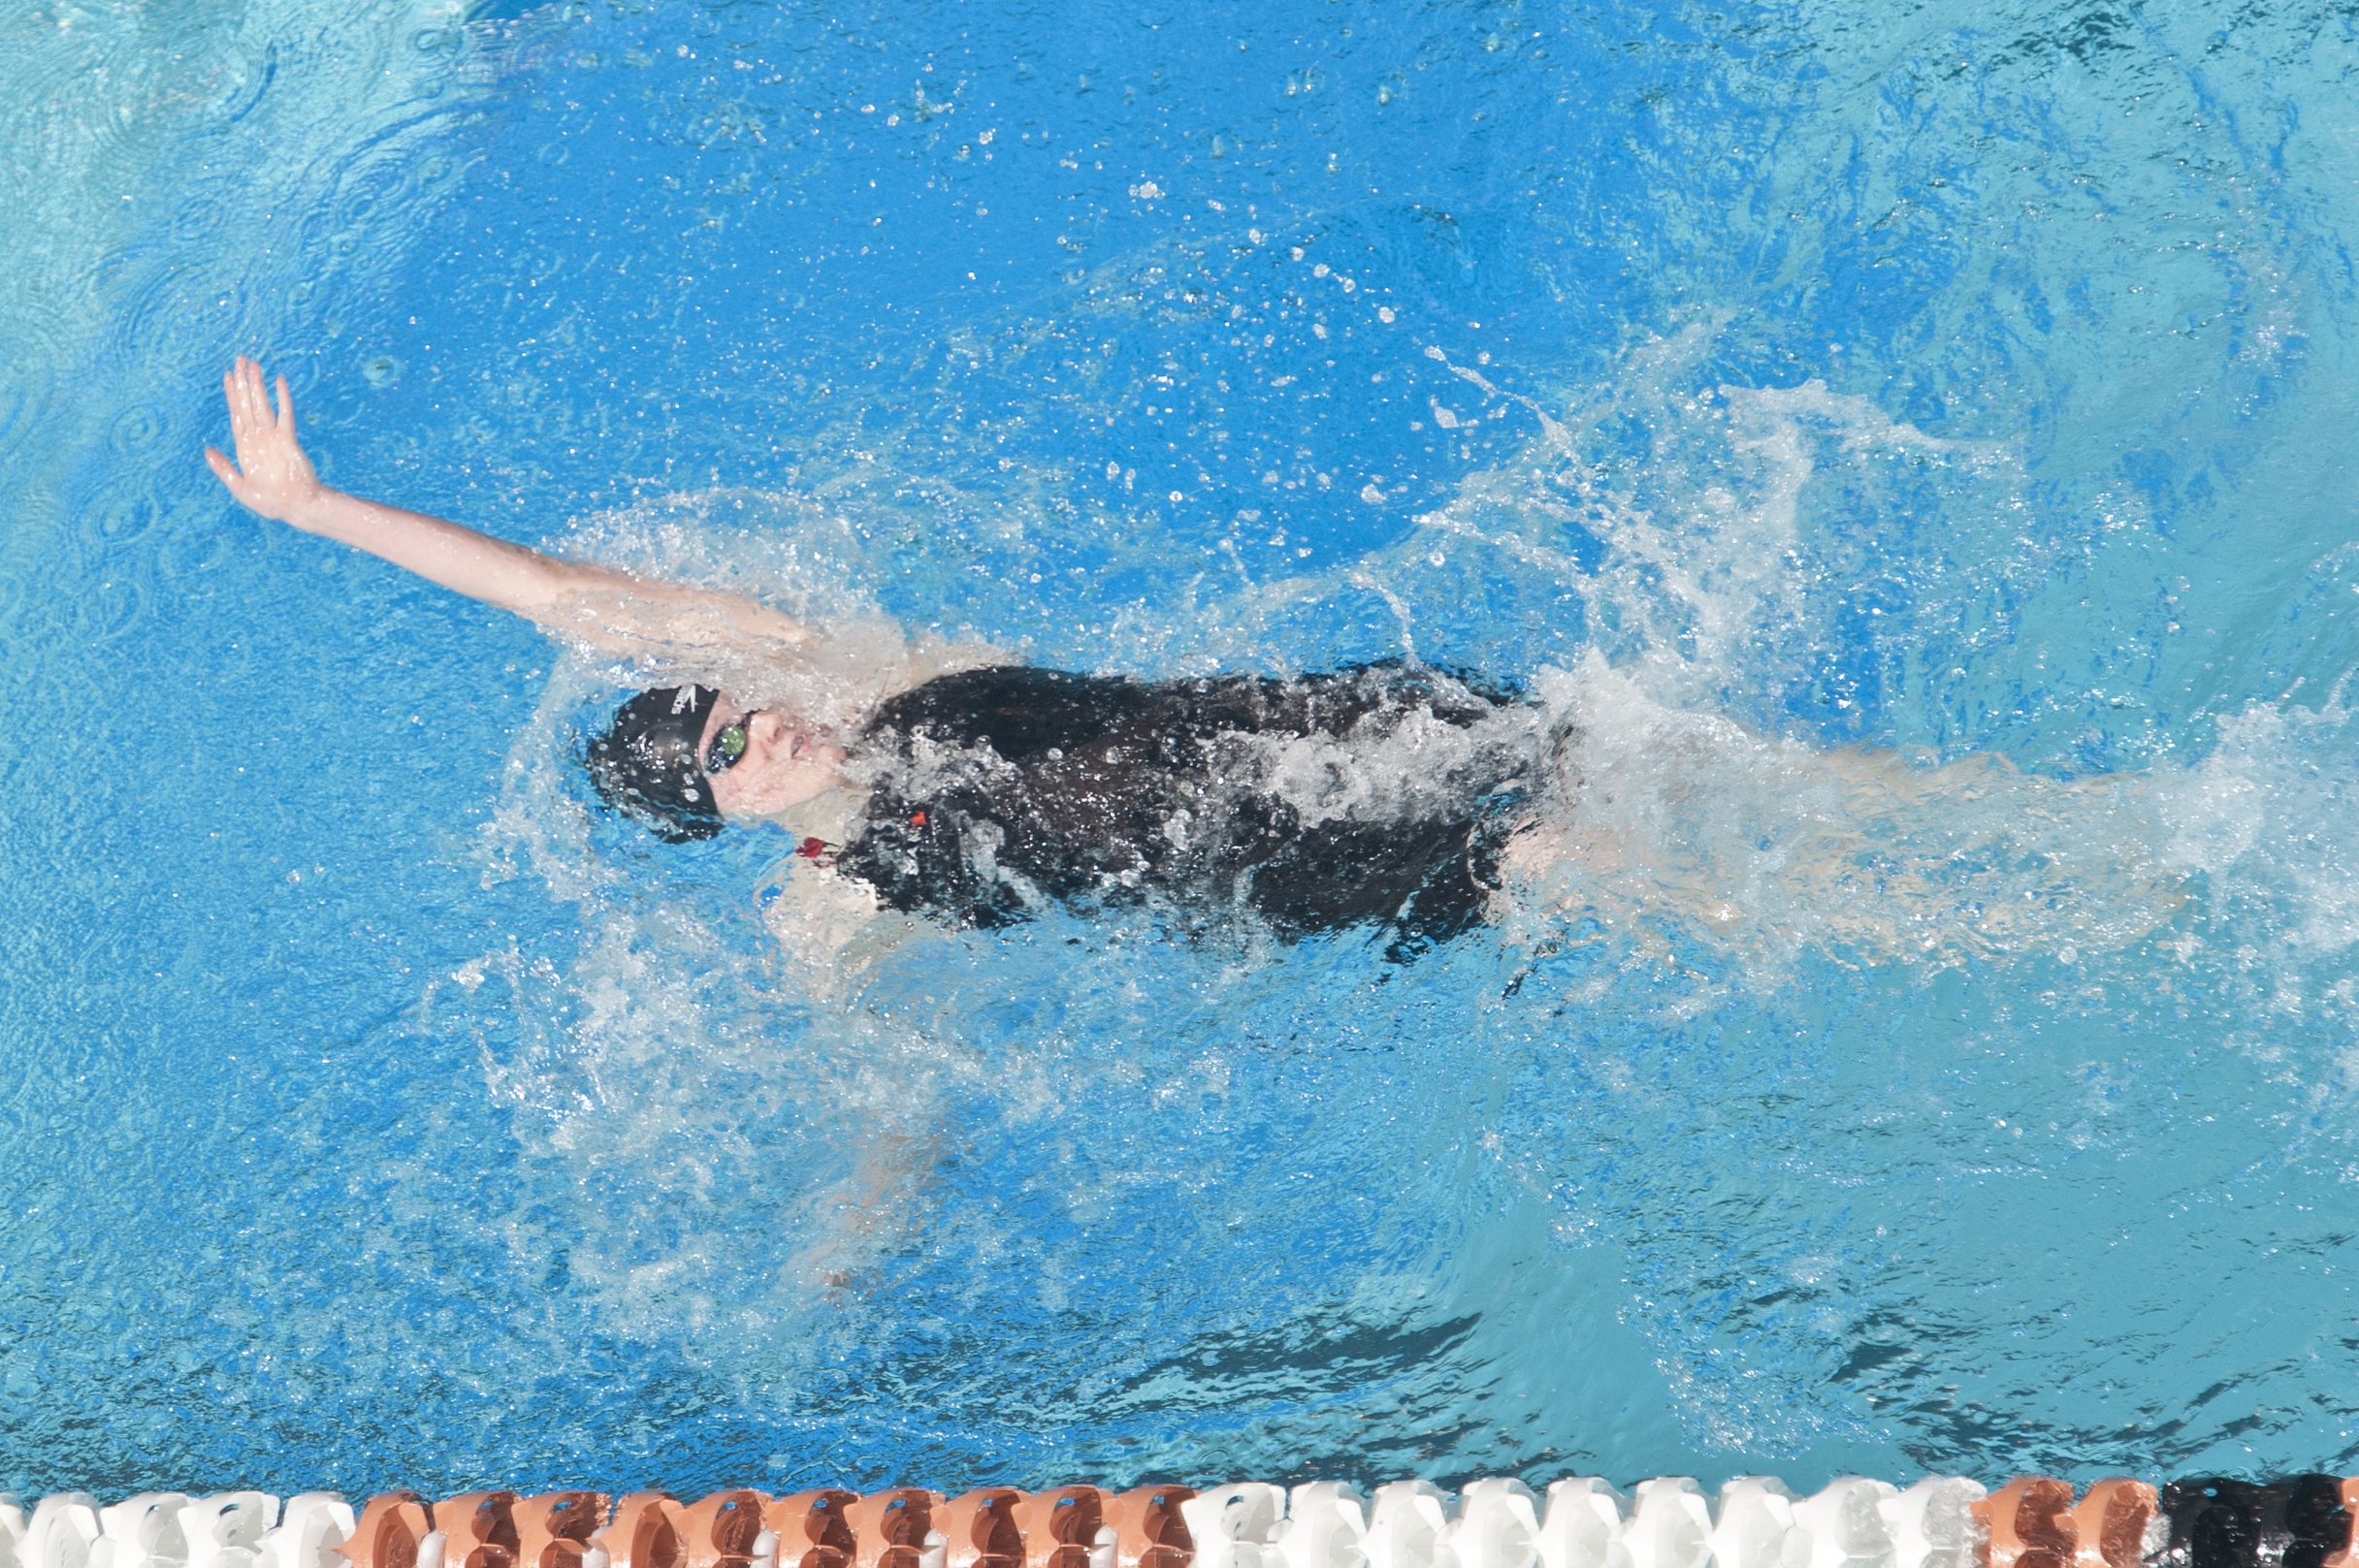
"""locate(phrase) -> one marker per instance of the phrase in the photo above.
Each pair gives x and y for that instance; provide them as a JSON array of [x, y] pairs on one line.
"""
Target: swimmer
[[971, 791], [1383, 796]]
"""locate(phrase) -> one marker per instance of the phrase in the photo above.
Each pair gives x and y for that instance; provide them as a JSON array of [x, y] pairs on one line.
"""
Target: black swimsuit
[[1380, 796]]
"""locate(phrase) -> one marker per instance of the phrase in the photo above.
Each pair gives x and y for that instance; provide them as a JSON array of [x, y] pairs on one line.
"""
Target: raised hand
[[610, 610], [271, 475]]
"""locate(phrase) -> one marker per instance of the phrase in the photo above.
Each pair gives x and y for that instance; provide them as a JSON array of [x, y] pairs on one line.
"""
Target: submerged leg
[[1769, 846]]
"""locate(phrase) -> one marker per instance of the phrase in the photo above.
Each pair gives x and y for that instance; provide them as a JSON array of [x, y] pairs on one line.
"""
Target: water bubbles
[[381, 369]]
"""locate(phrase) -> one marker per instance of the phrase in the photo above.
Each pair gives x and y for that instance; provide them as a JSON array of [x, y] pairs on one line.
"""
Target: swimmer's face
[[781, 765]]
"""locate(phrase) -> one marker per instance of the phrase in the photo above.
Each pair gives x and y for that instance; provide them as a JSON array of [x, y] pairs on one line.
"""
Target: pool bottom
[[1940, 1521]]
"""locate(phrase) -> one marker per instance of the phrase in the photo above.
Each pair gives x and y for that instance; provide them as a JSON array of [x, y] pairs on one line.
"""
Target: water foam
[[1723, 811]]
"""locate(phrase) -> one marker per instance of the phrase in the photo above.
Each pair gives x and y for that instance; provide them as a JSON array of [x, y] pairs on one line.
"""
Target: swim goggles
[[729, 743]]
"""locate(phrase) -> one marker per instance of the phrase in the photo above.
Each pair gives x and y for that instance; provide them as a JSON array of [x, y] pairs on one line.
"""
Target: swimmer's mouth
[[800, 745]]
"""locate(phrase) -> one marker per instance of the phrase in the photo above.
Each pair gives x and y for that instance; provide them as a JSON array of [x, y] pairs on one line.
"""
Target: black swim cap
[[647, 764]]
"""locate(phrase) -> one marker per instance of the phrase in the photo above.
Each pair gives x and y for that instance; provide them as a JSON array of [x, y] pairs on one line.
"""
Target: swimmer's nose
[[768, 730]]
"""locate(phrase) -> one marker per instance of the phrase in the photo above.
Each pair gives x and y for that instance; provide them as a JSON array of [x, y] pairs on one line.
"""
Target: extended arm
[[609, 609]]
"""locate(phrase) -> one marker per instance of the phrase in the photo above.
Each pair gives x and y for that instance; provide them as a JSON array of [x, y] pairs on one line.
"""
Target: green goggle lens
[[728, 745]]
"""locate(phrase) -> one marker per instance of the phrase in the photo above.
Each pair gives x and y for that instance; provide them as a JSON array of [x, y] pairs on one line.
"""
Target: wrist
[[313, 510]]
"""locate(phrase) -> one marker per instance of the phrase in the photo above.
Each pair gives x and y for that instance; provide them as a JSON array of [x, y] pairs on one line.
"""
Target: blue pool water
[[1763, 383]]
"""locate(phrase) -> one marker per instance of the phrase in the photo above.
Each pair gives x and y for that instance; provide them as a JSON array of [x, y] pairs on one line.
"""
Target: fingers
[[228, 397], [245, 420], [257, 401], [250, 415], [230, 479]]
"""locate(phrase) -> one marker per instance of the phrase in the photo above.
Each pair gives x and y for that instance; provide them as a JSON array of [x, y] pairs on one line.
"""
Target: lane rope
[[1581, 1521]]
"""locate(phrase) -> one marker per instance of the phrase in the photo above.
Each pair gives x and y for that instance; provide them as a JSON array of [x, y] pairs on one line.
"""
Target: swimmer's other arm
[[609, 609]]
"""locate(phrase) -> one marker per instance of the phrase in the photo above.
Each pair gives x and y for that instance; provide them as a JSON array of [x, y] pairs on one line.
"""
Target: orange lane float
[[390, 1530], [2118, 1522], [978, 1529], [479, 1529], [1061, 1526], [812, 1528], [2034, 1522], [2029, 1522], [890, 1528], [554, 1529], [1149, 1531], [644, 1532], [720, 1531]]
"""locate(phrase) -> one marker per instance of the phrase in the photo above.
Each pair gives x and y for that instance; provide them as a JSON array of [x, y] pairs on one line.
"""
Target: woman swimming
[[1381, 796], [972, 790]]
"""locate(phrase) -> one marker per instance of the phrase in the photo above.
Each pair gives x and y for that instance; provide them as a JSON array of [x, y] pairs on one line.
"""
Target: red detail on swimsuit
[[811, 849], [917, 819]]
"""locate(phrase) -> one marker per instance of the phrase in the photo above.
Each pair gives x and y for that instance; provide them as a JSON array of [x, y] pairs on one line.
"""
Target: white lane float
[[1326, 1526], [1406, 1520], [1669, 1526], [311, 1529], [1234, 1526], [1932, 1523], [1583, 1528], [225, 1530], [1498, 1526], [1754, 1527], [61, 1531]]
